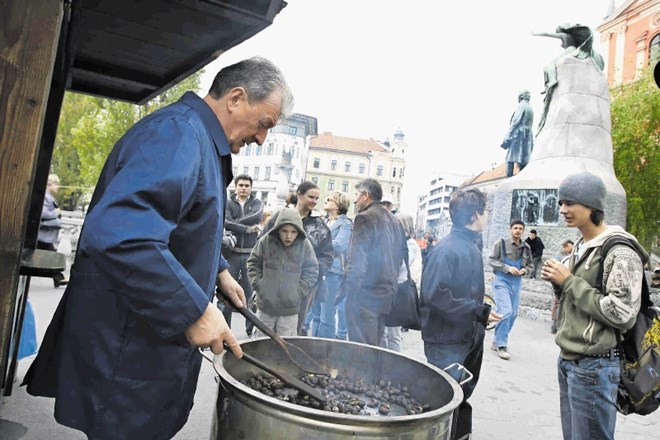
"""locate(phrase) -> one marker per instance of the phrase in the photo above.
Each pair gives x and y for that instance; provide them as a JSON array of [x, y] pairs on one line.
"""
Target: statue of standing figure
[[519, 140], [577, 41]]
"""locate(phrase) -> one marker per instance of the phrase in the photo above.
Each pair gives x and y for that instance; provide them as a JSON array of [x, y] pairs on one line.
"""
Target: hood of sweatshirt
[[288, 216], [610, 231]]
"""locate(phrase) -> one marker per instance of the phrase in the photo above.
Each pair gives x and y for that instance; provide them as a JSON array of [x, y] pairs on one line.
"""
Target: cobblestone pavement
[[515, 399]]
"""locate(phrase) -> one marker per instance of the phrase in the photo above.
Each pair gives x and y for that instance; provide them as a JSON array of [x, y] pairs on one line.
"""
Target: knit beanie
[[584, 188]]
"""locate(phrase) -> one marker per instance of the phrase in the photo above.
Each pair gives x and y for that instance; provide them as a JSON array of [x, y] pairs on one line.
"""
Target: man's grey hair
[[371, 187], [52, 178], [259, 77]]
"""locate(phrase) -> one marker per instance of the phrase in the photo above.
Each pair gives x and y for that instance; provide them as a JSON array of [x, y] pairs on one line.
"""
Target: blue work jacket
[[115, 355]]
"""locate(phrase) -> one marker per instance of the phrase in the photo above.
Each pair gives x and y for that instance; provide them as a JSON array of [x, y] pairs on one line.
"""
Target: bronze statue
[[519, 140], [577, 41]]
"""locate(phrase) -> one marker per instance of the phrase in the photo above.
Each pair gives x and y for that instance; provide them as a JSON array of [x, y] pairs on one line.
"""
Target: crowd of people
[[161, 237]]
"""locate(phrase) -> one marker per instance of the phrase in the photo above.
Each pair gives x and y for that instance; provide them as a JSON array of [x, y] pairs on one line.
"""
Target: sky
[[445, 73]]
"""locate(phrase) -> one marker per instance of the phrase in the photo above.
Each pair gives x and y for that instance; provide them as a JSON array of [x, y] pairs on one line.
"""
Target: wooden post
[[29, 33]]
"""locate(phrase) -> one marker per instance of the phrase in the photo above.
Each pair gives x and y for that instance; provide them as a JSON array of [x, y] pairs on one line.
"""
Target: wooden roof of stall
[[134, 50]]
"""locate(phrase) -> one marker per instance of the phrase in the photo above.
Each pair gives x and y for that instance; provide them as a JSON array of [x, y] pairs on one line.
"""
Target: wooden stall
[[117, 49]]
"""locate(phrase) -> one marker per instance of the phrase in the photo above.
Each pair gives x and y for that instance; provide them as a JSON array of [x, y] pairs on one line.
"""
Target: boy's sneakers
[[502, 352]]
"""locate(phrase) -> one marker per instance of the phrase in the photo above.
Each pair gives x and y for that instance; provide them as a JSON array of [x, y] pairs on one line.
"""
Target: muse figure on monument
[[577, 41], [519, 140]]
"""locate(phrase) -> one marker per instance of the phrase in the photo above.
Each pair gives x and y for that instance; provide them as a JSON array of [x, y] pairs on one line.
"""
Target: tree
[[88, 129], [636, 142]]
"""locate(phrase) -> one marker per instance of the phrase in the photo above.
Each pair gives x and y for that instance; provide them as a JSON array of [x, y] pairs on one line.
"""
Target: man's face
[[532, 236], [361, 200], [288, 234], [53, 187], [517, 231], [250, 122], [243, 188], [575, 214], [481, 221]]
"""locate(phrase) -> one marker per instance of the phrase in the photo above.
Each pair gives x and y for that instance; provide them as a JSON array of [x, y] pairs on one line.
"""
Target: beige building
[[338, 163]]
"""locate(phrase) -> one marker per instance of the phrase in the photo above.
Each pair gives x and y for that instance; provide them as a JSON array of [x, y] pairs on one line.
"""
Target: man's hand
[[211, 330], [228, 288], [494, 317], [555, 272], [253, 229], [514, 271]]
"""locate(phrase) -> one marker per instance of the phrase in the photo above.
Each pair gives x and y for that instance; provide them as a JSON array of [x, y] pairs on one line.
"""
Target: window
[[331, 185], [654, 50], [447, 199], [293, 130], [333, 165], [248, 150], [235, 171], [401, 173], [347, 167], [344, 186], [379, 170], [260, 150], [392, 190], [267, 173], [315, 180], [393, 171], [255, 176], [361, 168], [317, 162], [269, 149], [246, 170]]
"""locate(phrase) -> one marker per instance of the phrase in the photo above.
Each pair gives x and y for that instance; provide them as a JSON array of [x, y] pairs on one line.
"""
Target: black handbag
[[405, 309]]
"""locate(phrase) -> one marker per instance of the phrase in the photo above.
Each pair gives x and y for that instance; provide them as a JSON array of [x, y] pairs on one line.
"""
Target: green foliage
[[88, 129], [636, 142]]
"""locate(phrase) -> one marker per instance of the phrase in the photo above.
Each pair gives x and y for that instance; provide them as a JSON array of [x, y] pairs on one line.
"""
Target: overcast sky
[[446, 73]]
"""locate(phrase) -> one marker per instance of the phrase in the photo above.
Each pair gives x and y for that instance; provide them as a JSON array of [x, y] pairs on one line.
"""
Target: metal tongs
[[302, 360], [284, 377]]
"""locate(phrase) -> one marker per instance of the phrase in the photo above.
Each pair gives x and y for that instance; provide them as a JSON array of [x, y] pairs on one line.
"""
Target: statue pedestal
[[576, 138]]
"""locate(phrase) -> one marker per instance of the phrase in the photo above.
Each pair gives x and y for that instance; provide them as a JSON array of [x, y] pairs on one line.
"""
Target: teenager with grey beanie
[[590, 318], [584, 188]]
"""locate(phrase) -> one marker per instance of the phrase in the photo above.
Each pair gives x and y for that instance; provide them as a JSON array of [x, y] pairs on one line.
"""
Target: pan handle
[[464, 370]]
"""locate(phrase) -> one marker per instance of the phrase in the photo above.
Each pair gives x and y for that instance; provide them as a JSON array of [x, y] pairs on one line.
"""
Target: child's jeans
[[282, 325]]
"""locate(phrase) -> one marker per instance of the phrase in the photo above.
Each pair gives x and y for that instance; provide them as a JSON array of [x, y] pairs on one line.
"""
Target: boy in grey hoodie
[[589, 320], [282, 268]]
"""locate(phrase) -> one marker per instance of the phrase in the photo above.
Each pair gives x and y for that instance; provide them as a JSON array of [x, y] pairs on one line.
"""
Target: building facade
[[338, 163], [630, 37], [433, 207], [277, 166]]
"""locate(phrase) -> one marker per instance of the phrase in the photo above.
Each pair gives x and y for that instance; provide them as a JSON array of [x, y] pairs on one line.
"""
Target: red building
[[630, 38]]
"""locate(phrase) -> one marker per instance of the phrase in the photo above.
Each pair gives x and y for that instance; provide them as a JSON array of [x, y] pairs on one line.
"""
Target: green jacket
[[282, 275], [587, 319]]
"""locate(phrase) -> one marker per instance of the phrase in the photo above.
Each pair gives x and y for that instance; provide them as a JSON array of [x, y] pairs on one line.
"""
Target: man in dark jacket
[[121, 353], [454, 315], [242, 217], [536, 245], [374, 258]]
